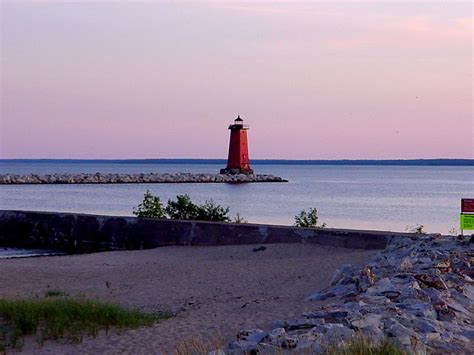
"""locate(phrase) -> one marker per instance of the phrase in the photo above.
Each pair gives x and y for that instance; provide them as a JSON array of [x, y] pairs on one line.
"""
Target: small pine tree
[[151, 207], [211, 211], [416, 229], [183, 208], [308, 219], [239, 219]]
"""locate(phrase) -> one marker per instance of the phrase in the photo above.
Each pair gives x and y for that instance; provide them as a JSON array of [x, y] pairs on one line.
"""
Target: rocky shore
[[417, 292], [98, 178]]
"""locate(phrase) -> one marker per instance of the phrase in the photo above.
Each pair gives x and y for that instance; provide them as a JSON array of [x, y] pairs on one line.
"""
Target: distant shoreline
[[374, 162]]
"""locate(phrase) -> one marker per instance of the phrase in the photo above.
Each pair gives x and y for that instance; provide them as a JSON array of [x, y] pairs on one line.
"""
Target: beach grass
[[359, 345], [55, 293], [198, 345], [63, 318], [362, 346]]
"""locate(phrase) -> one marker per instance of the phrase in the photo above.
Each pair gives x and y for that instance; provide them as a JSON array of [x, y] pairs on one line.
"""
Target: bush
[[151, 207], [182, 208], [239, 219], [416, 229], [308, 219], [210, 211]]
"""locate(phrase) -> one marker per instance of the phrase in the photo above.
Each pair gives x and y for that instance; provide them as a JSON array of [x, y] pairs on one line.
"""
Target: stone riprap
[[419, 293], [154, 178]]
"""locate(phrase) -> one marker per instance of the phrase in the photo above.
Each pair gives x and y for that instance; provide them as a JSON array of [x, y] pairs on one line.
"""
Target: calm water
[[13, 253], [375, 197]]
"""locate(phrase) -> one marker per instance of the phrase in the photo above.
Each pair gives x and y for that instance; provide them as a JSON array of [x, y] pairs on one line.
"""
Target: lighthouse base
[[229, 171]]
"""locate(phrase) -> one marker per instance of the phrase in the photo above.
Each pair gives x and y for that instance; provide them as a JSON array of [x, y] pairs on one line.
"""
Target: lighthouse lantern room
[[238, 159]]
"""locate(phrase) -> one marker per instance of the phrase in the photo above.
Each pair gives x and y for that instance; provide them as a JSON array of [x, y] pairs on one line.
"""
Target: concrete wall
[[88, 233]]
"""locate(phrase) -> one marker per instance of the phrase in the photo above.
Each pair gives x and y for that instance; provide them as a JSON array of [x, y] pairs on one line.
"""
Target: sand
[[214, 291]]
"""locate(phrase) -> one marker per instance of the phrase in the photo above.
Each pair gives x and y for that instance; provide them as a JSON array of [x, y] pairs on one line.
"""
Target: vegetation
[[211, 211], [181, 208], [416, 229], [363, 346], [198, 345], [55, 293], [358, 346], [151, 207], [308, 219], [56, 318], [239, 219]]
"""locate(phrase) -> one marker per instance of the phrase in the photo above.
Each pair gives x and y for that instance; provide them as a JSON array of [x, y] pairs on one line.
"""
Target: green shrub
[[151, 207], [182, 208], [239, 219], [210, 211], [416, 229], [55, 318], [308, 219]]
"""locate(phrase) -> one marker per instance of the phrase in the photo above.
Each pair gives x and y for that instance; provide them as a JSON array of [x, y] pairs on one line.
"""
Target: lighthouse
[[238, 160]]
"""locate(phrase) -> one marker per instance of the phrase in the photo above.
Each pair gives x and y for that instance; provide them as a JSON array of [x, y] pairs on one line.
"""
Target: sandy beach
[[214, 291]]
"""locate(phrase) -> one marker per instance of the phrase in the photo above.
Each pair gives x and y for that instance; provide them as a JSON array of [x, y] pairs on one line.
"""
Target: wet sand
[[214, 291]]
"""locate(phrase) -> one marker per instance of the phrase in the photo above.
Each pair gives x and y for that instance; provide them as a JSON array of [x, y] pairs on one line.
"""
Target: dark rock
[[280, 337], [242, 347], [254, 335], [306, 323]]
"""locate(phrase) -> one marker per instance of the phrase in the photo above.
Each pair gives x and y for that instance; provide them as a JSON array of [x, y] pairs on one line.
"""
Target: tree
[[239, 219], [210, 211], [182, 208], [308, 219], [151, 207]]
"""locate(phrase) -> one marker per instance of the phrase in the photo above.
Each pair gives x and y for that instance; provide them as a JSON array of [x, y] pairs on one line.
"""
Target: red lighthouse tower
[[238, 160]]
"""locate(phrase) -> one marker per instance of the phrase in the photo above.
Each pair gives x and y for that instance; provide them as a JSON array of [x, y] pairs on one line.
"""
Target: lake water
[[14, 253], [373, 197]]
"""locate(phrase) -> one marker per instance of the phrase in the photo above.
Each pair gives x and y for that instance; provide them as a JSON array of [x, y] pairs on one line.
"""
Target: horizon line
[[413, 162]]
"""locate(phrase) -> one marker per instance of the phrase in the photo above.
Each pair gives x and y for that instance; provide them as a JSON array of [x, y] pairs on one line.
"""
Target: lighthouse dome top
[[238, 124]]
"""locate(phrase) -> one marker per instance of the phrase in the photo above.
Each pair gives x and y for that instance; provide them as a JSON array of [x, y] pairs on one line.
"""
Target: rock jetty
[[417, 292], [150, 178]]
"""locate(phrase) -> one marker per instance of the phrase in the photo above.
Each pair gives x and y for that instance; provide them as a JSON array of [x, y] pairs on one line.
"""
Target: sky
[[314, 80]]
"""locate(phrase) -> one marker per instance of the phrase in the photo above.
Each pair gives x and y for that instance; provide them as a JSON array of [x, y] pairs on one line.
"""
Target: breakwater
[[149, 178], [72, 232]]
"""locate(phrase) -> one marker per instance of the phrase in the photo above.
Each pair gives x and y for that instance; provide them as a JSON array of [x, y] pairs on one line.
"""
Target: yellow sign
[[467, 221]]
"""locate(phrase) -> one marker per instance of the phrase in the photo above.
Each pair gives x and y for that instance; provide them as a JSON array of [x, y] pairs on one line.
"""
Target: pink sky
[[371, 80]]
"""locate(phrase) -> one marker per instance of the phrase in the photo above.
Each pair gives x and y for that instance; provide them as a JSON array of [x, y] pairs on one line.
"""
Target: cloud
[[278, 8], [345, 26], [429, 27]]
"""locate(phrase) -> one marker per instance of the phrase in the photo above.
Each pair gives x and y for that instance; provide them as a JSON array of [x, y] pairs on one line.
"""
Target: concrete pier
[[78, 233]]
